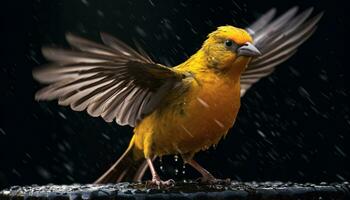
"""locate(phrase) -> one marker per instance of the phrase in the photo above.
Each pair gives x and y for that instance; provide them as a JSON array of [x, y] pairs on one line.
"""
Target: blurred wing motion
[[112, 80], [277, 40]]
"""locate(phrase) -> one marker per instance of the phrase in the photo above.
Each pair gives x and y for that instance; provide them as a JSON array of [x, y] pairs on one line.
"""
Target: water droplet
[[140, 31], [176, 158], [151, 2], [183, 169], [100, 13], [261, 134], [62, 115], [2, 131], [43, 172], [85, 2]]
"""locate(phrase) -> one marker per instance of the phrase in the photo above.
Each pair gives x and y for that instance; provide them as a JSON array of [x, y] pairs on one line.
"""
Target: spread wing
[[277, 40], [111, 80]]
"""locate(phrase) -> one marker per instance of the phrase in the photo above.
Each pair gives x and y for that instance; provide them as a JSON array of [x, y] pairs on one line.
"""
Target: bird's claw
[[157, 182]]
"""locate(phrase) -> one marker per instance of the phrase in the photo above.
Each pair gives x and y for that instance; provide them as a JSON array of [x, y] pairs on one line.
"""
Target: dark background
[[293, 125]]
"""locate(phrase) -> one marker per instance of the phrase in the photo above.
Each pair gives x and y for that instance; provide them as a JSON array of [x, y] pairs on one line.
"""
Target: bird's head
[[229, 47]]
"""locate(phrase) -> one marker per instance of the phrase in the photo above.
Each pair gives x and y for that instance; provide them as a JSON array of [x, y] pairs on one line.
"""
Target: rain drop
[[85, 2], [261, 134], [2, 131], [176, 158]]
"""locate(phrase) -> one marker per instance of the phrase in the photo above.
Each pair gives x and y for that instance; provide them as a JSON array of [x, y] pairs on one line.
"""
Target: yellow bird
[[179, 110]]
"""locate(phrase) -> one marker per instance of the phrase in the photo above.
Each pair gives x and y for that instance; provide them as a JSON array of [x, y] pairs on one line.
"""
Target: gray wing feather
[[277, 40], [261, 22], [122, 48], [96, 107], [107, 80]]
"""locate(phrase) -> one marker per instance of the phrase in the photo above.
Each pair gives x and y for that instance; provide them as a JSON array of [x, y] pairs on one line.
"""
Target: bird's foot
[[157, 182], [210, 180]]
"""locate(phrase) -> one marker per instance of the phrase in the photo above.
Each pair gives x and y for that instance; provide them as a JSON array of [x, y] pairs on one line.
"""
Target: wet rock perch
[[182, 190]]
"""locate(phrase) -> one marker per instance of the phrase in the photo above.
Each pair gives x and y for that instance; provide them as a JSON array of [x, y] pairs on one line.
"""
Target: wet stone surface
[[182, 190]]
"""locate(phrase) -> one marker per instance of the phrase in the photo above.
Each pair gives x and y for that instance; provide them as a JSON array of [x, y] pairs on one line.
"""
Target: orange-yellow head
[[229, 46]]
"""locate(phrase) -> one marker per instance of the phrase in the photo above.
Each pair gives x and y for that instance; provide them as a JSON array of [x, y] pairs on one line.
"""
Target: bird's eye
[[228, 43]]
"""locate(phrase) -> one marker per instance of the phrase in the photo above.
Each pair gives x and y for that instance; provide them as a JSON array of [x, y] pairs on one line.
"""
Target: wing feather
[[126, 108], [110, 80], [97, 107], [113, 105], [277, 40], [261, 22], [122, 48]]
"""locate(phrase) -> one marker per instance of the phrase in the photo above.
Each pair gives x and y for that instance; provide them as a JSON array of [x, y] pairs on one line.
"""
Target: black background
[[292, 126]]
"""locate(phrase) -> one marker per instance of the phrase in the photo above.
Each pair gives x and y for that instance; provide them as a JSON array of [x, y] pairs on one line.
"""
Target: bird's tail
[[129, 167]]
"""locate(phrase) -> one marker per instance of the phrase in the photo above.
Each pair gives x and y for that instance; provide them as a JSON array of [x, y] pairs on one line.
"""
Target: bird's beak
[[248, 50]]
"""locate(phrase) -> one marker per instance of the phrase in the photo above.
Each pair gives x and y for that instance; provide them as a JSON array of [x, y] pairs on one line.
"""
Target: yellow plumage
[[199, 117], [179, 110]]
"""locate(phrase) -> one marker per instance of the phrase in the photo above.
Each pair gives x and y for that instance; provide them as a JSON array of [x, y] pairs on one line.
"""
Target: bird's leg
[[207, 177], [156, 181]]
